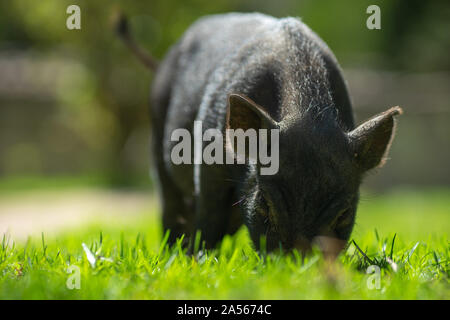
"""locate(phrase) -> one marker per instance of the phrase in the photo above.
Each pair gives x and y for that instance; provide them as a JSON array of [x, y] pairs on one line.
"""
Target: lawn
[[403, 234]]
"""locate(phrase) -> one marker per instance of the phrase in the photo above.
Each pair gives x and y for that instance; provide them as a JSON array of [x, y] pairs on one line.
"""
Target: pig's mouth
[[330, 243]]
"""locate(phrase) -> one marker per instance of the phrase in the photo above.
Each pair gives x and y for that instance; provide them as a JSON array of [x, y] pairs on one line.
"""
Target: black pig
[[255, 71]]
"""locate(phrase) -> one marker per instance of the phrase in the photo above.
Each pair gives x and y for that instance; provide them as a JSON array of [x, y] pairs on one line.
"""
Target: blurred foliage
[[94, 119]]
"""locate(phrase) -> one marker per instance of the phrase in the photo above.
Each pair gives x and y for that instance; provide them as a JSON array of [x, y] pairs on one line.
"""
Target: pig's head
[[315, 191]]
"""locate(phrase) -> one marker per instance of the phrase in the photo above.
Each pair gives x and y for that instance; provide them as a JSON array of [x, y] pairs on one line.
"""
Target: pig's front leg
[[213, 203]]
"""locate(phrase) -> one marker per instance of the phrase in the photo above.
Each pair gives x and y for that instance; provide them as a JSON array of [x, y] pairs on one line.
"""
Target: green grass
[[404, 234]]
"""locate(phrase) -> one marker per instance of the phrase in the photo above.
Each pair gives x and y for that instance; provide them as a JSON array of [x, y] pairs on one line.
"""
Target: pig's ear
[[371, 140], [243, 113]]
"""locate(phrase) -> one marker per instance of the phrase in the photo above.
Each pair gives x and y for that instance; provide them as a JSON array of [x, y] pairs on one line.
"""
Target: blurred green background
[[73, 103]]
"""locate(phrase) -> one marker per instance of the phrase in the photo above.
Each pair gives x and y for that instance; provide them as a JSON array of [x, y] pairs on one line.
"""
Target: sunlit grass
[[404, 235]]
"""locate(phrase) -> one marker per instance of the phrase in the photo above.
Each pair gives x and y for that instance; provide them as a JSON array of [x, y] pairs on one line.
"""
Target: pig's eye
[[343, 218], [266, 210]]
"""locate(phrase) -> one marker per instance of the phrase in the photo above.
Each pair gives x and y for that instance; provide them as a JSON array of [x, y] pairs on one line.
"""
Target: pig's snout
[[330, 246]]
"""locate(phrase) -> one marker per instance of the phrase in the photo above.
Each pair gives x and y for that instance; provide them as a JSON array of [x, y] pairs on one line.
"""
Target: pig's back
[[208, 51], [232, 52], [212, 39], [209, 44]]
